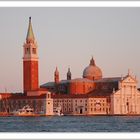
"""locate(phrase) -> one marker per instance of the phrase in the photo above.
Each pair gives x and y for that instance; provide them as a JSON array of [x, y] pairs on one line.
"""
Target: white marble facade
[[126, 100]]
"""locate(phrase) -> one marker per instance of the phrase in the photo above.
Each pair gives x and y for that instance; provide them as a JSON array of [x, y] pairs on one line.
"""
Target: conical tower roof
[[56, 71], [30, 34]]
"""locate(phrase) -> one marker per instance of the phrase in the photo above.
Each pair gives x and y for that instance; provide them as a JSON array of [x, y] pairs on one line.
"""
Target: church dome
[[92, 72]]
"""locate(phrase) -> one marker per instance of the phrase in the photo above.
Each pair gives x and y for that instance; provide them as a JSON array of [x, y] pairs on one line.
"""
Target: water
[[71, 124]]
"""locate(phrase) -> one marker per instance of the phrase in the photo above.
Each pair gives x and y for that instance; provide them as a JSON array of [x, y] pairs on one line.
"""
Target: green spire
[[30, 34]]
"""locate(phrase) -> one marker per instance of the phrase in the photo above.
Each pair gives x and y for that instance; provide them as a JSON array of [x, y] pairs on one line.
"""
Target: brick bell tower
[[30, 61]]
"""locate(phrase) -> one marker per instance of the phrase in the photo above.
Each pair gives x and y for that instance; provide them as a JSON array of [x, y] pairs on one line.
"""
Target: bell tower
[[56, 76], [68, 74], [30, 61]]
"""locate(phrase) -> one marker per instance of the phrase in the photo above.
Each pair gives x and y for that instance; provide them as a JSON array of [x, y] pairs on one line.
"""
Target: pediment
[[129, 79]]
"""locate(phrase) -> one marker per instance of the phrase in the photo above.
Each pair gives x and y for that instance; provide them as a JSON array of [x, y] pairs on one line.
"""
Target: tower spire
[[30, 34], [56, 76], [69, 74]]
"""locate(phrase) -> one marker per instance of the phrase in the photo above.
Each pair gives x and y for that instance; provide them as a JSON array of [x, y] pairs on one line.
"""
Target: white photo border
[[62, 136]]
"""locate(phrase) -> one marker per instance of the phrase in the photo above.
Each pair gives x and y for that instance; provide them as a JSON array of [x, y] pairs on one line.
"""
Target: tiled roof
[[48, 84], [110, 79], [54, 96], [76, 80], [100, 93], [81, 80], [27, 97], [20, 96], [95, 94]]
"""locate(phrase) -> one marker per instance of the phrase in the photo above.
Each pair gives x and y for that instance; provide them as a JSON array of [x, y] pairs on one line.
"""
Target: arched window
[[34, 50], [27, 50]]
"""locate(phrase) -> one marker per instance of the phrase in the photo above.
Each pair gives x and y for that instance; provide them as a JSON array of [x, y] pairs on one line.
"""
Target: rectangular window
[[27, 50], [34, 50]]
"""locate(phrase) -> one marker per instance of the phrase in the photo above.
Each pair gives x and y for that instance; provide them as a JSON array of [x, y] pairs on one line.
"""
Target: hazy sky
[[69, 37]]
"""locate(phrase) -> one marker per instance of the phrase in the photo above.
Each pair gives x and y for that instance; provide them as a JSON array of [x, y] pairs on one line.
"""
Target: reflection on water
[[71, 124]]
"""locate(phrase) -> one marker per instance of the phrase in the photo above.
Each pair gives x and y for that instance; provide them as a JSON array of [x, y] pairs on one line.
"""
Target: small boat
[[58, 111], [25, 112]]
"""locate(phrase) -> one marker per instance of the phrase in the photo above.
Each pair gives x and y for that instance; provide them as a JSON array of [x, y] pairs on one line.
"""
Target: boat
[[25, 111], [58, 111]]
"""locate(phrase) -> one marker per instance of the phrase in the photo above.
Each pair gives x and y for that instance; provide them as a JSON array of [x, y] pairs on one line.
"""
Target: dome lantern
[[92, 62]]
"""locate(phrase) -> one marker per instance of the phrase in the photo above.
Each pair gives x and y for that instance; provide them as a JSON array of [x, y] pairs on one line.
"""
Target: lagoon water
[[71, 124]]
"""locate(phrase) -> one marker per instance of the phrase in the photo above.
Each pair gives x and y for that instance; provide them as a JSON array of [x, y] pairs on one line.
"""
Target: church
[[91, 94]]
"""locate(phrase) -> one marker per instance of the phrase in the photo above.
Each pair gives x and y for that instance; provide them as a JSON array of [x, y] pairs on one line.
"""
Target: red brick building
[[30, 61], [78, 85]]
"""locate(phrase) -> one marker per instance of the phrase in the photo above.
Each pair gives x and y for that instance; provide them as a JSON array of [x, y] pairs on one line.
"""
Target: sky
[[69, 37]]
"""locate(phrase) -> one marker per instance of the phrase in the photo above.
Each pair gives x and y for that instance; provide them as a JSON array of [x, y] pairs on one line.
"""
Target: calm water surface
[[71, 124]]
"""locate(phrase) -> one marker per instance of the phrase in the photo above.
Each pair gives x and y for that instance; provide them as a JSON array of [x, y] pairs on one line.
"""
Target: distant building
[[30, 61], [37, 98], [78, 85], [10, 103], [112, 96], [90, 95]]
